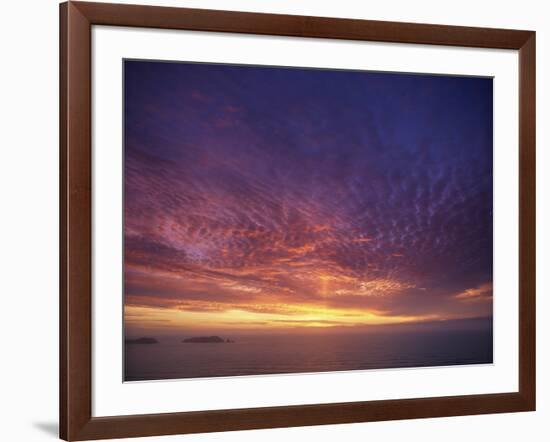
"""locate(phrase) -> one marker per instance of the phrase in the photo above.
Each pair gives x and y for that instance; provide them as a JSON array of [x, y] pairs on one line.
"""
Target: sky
[[283, 199]]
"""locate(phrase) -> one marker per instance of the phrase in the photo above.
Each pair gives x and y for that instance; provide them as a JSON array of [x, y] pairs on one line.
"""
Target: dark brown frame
[[76, 421]]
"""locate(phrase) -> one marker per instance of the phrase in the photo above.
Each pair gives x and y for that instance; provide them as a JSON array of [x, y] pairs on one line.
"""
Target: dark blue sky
[[276, 191]]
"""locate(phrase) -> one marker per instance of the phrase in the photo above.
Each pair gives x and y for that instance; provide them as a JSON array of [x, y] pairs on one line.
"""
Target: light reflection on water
[[263, 354]]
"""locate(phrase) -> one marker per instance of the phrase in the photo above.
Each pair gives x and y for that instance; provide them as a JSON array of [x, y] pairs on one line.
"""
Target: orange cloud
[[483, 293]]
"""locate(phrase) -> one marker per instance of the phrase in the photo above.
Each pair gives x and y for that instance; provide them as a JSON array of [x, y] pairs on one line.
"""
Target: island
[[142, 341], [206, 340]]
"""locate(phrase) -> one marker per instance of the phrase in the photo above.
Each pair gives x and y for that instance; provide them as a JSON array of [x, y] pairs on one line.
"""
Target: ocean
[[305, 353]]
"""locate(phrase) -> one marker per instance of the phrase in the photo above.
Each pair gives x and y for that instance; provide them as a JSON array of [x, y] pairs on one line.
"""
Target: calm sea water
[[262, 354]]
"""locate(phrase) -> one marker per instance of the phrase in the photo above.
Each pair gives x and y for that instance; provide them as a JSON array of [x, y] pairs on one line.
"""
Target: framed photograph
[[273, 220]]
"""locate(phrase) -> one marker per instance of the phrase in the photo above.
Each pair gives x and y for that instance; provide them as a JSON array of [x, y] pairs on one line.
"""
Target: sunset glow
[[272, 199]]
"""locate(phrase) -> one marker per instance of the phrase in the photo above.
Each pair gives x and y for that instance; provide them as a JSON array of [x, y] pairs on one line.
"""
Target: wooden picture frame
[[76, 421]]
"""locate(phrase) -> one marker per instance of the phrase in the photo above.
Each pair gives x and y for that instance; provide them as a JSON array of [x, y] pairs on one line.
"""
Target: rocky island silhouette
[[143, 340], [206, 340]]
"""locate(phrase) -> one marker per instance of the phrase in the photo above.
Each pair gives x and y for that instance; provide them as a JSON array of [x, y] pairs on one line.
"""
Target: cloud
[[259, 189], [482, 293]]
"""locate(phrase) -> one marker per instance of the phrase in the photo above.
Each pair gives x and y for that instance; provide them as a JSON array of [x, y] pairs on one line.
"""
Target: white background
[[111, 397], [28, 221]]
